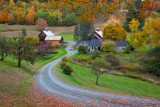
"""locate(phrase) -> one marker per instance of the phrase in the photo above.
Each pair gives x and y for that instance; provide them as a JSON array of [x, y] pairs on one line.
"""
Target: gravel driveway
[[50, 84]]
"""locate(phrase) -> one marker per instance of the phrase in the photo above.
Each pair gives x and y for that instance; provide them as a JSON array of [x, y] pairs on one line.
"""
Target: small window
[[99, 48], [92, 47], [123, 48]]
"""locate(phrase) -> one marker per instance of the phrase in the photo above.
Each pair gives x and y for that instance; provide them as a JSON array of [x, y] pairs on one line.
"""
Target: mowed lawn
[[83, 77], [67, 36], [14, 81]]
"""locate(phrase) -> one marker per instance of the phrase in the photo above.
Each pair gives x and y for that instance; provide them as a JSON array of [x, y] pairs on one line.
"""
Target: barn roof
[[48, 33], [56, 38]]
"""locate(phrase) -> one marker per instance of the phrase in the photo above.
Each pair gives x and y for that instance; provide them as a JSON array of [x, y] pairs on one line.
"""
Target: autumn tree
[[23, 50], [55, 18], [134, 24], [151, 28], [30, 18], [114, 32], [41, 24], [34, 41], [5, 47], [11, 2], [20, 17], [96, 67], [133, 14], [108, 45], [2, 2], [89, 8], [138, 39]]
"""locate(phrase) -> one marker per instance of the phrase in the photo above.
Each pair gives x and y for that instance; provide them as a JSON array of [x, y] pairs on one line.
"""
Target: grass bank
[[83, 77], [14, 81]]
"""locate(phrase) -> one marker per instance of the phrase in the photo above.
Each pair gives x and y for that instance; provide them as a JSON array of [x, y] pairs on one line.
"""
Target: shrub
[[96, 54], [67, 69], [64, 59], [62, 64], [127, 50], [56, 44], [152, 61], [112, 60], [82, 49]]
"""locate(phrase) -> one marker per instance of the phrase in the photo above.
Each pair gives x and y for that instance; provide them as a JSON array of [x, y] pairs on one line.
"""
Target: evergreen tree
[[83, 31], [24, 33], [76, 32], [133, 14]]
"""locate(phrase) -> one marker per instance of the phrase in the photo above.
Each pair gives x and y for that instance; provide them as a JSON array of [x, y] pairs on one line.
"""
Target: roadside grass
[[15, 81], [67, 36], [83, 77]]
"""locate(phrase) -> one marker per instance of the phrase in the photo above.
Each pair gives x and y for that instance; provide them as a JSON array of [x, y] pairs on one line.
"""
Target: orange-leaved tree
[[147, 6], [30, 18], [11, 2], [114, 32], [20, 17]]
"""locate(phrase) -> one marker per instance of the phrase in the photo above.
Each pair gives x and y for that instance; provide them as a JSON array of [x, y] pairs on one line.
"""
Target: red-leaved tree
[[41, 24]]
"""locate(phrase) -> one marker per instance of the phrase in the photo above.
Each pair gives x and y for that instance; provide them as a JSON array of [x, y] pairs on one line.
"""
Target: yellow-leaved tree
[[108, 45], [33, 40], [152, 29], [134, 24], [114, 32], [11, 2]]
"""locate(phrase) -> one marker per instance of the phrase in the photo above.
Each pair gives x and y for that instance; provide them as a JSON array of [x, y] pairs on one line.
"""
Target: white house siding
[[120, 48], [91, 49]]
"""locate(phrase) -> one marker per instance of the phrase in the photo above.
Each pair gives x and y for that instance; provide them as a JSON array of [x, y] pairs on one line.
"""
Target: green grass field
[[16, 81], [83, 77], [66, 36]]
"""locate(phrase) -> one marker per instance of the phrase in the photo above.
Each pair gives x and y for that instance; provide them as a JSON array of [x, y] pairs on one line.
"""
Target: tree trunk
[[2, 59], [97, 80], [19, 63]]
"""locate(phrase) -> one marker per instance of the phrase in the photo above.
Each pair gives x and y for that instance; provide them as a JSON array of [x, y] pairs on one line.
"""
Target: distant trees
[[114, 32], [41, 24]]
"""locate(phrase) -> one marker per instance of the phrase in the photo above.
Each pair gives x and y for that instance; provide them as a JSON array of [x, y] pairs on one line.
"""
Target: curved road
[[49, 83]]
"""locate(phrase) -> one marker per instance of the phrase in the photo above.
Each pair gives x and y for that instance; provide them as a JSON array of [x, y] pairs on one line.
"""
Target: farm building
[[96, 44], [47, 36]]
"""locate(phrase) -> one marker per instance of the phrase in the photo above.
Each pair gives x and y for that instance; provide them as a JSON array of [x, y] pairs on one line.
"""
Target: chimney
[[97, 29]]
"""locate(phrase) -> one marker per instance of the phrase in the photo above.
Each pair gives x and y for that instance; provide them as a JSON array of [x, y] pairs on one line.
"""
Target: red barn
[[98, 34]]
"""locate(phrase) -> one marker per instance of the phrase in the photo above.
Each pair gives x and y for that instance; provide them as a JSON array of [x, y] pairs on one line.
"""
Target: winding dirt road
[[50, 84]]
